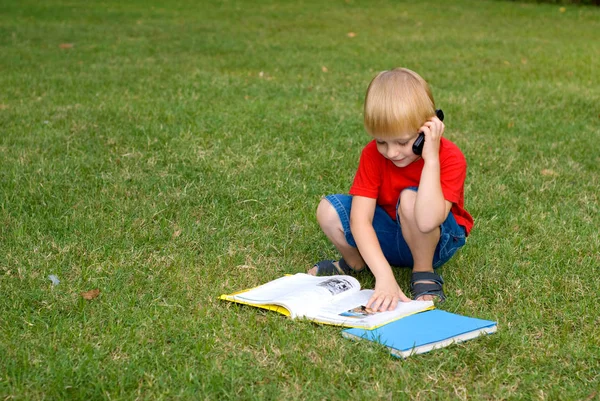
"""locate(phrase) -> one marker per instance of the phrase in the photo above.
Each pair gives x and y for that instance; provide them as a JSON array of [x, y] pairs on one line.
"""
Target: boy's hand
[[433, 130], [386, 296]]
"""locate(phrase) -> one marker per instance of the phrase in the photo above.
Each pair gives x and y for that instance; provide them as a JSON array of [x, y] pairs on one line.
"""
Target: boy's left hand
[[433, 131]]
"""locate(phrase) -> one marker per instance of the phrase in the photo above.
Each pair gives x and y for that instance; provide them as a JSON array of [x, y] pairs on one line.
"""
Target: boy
[[403, 209]]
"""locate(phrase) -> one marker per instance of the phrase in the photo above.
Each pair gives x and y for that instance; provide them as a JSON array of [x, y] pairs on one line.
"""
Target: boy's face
[[398, 149]]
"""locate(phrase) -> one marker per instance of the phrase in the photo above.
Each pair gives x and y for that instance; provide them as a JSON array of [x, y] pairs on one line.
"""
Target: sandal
[[427, 283], [328, 268]]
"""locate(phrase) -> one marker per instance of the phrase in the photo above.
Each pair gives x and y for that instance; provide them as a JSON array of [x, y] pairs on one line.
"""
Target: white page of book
[[350, 309], [301, 293]]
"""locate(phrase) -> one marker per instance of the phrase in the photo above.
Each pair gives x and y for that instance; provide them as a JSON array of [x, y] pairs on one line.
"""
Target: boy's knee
[[326, 213], [406, 207]]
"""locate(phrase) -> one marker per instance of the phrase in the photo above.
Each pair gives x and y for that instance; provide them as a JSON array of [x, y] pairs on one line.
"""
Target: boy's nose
[[393, 152]]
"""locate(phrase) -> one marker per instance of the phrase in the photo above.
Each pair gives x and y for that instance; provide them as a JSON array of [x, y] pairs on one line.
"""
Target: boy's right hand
[[433, 131], [386, 296]]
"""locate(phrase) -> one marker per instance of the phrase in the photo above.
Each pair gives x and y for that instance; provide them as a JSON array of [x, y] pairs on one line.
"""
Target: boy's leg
[[422, 245], [330, 223]]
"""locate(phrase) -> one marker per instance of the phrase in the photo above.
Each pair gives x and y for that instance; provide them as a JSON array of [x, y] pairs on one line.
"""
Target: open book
[[336, 300], [424, 332]]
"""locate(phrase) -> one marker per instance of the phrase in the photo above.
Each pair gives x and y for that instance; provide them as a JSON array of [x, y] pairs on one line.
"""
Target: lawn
[[167, 152]]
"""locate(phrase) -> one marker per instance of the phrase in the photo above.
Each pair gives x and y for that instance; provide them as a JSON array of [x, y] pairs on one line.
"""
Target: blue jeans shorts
[[389, 234]]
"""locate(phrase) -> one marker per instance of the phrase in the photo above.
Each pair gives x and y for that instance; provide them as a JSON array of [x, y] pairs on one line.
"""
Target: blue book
[[423, 332]]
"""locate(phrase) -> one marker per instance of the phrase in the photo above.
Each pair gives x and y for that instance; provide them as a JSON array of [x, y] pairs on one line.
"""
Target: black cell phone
[[420, 141]]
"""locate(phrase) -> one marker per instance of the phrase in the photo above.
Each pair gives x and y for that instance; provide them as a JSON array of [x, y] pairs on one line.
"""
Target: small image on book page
[[336, 285], [358, 312]]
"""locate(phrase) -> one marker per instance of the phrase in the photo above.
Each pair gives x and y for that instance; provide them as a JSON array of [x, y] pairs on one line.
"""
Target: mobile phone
[[417, 147]]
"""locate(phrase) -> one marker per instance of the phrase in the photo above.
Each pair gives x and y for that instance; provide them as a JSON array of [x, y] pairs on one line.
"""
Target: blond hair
[[397, 102]]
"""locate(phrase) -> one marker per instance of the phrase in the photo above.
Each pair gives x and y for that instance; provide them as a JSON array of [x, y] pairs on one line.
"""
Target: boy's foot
[[331, 267], [426, 286]]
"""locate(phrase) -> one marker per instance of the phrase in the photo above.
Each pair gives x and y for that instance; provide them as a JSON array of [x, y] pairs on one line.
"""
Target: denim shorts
[[389, 234]]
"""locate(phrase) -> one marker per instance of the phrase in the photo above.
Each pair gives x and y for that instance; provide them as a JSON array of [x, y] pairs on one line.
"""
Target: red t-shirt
[[378, 178]]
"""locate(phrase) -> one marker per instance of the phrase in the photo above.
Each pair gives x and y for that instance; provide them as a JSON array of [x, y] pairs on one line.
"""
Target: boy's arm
[[387, 292], [431, 209]]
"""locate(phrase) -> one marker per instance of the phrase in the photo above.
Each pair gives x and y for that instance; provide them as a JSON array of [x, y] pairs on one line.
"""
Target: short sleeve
[[453, 172], [368, 178]]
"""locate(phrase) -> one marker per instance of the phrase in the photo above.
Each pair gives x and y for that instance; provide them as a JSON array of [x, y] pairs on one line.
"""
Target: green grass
[[178, 151]]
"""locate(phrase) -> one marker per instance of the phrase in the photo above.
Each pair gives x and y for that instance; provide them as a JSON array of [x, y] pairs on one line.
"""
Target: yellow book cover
[[276, 308]]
